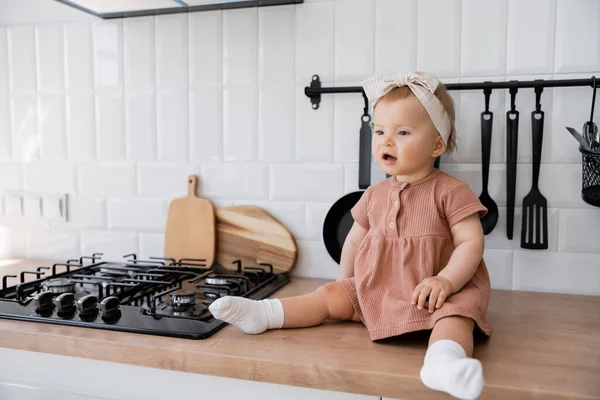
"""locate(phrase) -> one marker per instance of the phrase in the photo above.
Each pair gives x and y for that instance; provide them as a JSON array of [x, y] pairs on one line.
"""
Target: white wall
[[117, 113]]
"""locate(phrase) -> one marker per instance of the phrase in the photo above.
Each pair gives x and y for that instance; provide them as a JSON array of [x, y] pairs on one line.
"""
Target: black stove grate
[[159, 296]]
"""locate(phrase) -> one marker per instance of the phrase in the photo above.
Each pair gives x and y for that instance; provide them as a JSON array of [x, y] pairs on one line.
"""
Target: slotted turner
[[534, 227]]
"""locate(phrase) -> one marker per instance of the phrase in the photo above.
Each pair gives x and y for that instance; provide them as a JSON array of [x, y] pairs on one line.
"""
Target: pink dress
[[408, 240]]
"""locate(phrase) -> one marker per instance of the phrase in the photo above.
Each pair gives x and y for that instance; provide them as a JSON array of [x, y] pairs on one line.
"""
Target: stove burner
[[117, 273], [182, 299], [59, 286], [213, 280]]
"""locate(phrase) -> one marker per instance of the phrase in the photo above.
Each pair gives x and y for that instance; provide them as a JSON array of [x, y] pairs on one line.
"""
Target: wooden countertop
[[543, 346]]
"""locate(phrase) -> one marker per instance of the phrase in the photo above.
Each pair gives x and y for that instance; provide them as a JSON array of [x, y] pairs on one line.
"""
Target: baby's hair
[[444, 97]]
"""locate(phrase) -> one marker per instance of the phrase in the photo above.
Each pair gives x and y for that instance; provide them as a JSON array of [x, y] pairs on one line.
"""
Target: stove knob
[[109, 306], [43, 301], [65, 303], [87, 304]]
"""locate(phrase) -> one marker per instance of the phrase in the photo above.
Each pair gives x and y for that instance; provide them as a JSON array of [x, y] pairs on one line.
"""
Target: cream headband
[[422, 85]]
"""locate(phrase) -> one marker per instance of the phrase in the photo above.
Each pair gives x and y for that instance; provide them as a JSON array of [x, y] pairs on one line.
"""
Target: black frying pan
[[338, 220]]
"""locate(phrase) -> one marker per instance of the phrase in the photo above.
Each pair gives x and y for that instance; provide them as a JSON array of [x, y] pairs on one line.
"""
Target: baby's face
[[404, 137]]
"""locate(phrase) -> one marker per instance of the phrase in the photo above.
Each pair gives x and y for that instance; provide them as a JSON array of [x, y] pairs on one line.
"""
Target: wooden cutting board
[[252, 235], [191, 227]]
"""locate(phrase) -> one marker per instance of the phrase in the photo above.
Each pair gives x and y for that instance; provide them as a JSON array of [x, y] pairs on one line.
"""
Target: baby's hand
[[436, 287]]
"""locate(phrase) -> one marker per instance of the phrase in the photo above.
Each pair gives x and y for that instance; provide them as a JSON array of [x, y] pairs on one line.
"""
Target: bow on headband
[[422, 85]]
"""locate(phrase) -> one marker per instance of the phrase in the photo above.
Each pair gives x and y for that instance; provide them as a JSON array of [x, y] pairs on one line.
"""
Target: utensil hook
[[513, 93], [594, 86], [487, 91], [366, 108], [539, 88]]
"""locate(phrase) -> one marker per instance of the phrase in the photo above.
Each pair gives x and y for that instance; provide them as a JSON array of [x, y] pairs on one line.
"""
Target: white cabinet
[[17, 391], [38, 376]]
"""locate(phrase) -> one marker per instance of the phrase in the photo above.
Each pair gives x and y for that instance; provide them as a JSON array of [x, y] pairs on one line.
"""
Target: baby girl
[[413, 259]]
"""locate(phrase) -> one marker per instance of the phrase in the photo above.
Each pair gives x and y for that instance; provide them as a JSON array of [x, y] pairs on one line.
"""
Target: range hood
[[107, 9]]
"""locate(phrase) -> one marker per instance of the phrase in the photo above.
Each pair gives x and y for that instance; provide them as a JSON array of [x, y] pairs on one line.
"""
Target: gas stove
[[158, 296]]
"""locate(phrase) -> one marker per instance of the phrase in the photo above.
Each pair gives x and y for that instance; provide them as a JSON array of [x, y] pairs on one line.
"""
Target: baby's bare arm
[[355, 236], [469, 245]]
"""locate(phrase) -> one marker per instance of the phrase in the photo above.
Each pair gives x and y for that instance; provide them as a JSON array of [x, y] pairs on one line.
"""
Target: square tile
[[52, 125], [395, 33], [276, 123], [314, 41], [483, 46], [314, 261], [240, 44], [439, 53], [530, 51], [140, 125], [5, 135], [307, 182], [240, 124], [276, 45], [3, 61], [577, 33], [21, 59], [79, 64], [136, 214], [168, 180], [80, 117], [171, 51], [108, 54], [354, 38], [499, 265], [172, 125], [206, 48], [12, 179], [235, 180], [52, 177], [579, 230], [25, 134], [110, 127], [49, 57], [107, 179], [138, 53], [541, 271], [206, 124]]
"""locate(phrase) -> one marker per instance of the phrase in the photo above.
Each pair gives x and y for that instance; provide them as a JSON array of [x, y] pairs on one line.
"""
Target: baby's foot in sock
[[251, 316], [447, 368]]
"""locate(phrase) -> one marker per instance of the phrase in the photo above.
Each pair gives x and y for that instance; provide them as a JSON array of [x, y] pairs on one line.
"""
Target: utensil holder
[[590, 177]]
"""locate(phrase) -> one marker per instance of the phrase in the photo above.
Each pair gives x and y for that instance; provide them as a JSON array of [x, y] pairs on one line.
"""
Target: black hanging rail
[[315, 90]]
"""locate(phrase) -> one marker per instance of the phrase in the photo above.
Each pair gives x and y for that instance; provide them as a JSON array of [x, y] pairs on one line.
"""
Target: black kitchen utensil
[[534, 228], [590, 129], [339, 220], [489, 221], [579, 138], [512, 138]]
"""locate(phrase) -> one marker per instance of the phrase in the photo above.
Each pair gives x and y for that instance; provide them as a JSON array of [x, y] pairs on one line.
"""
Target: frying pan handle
[[364, 156], [192, 185]]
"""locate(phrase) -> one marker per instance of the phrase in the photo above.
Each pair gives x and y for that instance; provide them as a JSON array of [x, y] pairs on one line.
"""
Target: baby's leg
[[256, 316], [448, 366]]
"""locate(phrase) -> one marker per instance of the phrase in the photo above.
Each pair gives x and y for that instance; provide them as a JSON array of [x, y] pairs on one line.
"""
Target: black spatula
[[534, 228]]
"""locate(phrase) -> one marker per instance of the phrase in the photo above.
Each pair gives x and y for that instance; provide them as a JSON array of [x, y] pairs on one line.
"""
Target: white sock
[[251, 316], [447, 368]]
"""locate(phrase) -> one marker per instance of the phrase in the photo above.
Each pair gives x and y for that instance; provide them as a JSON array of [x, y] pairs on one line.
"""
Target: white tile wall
[[118, 113], [3, 61], [5, 137], [79, 69], [395, 47]]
